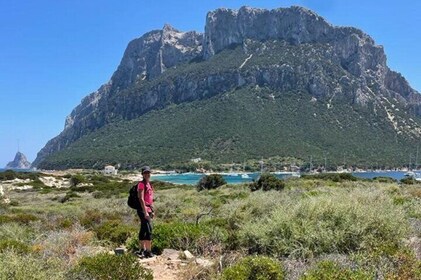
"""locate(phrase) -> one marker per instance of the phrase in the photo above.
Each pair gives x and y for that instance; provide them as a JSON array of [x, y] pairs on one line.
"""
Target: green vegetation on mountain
[[249, 122], [244, 124]]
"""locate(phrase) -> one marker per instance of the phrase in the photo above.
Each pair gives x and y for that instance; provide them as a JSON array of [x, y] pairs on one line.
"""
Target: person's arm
[[141, 196]]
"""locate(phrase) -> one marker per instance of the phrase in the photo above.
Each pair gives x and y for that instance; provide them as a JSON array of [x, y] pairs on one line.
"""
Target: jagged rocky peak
[[145, 58], [150, 55], [20, 162], [295, 25]]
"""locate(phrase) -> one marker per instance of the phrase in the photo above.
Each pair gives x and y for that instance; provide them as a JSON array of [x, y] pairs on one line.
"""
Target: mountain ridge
[[139, 85]]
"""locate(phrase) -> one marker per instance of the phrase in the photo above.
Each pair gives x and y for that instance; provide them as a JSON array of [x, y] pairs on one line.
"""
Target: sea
[[193, 178], [18, 170]]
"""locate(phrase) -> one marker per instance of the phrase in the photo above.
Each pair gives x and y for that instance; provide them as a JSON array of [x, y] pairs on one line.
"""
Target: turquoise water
[[193, 178], [17, 170]]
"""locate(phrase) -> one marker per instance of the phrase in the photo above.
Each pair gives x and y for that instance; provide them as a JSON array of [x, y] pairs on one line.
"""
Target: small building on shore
[[109, 170]]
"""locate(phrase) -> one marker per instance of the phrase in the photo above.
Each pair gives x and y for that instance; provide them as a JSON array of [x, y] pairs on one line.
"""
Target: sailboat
[[245, 175]]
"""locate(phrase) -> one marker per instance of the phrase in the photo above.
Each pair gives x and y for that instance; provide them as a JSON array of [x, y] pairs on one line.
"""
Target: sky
[[54, 53]]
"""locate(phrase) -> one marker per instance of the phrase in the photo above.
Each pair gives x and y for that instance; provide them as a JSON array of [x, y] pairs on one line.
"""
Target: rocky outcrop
[[144, 59], [20, 162], [341, 63]]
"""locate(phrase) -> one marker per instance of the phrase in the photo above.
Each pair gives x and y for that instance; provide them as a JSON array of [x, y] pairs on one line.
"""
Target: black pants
[[145, 232]]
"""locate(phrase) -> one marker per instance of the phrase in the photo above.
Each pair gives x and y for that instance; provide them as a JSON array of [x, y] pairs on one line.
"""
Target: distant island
[[20, 162]]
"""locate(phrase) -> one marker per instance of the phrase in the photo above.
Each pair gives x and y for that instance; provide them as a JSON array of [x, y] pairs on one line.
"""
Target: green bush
[[17, 246], [77, 179], [179, 236], [29, 266], [343, 222], [91, 218], [99, 178], [114, 231], [209, 182], [268, 182], [105, 266], [335, 177], [327, 270], [68, 196], [7, 175], [406, 266], [383, 179], [21, 218], [408, 181], [254, 268]]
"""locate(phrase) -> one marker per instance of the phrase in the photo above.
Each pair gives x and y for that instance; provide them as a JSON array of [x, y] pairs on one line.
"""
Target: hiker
[[145, 213]]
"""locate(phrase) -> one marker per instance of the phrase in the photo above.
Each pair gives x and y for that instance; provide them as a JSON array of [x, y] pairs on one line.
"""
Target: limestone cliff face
[[354, 50], [144, 59], [19, 162], [331, 63]]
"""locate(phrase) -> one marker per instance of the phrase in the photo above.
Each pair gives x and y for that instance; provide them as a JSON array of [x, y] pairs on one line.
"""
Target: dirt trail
[[166, 266]]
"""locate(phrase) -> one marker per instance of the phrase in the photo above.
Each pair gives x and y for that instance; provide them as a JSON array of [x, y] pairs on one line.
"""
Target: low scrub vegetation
[[336, 227], [254, 268], [105, 266], [335, 177], [327, 270]]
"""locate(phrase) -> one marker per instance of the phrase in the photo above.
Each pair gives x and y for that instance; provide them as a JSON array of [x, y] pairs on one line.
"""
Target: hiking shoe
[[139, 253], [148, 254]]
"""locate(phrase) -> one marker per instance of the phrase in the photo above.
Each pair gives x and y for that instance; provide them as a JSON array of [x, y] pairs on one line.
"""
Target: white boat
[[295, 174], [245, 176], [412, 174]]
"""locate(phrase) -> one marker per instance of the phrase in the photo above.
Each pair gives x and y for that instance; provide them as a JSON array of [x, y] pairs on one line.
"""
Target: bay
[[193, 178]]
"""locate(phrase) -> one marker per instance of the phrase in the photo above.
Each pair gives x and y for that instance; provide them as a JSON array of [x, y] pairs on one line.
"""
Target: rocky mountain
[[283, 51], [20, 162]]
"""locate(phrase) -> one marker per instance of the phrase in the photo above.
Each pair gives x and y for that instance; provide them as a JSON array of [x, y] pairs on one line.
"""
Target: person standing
[[145, 194]]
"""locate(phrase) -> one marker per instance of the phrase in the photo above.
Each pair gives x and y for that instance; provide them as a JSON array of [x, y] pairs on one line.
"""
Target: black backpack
[[133, 200]]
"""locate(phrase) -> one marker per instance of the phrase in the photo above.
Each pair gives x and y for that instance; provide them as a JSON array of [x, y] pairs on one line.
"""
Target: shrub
[[114, 231], [8, 175], [91, 218], [99, 178], [65, 244], [327, 270], [180, 236], [16, 246], [29, 266], [343, 222], [21, 218], [98, 194], [77, 179], [408, 180], [106, 266], [406, 266], [254, 268], [209, 182], [68, 196], [268, 182], [335, 177], [383, 179]]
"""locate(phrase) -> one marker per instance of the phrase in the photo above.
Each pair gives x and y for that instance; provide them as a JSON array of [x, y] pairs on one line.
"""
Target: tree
[[268, 182], [209, 182]]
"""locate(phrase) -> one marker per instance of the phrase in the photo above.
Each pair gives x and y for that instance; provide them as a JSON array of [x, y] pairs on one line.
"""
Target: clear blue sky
[[53, 53]]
